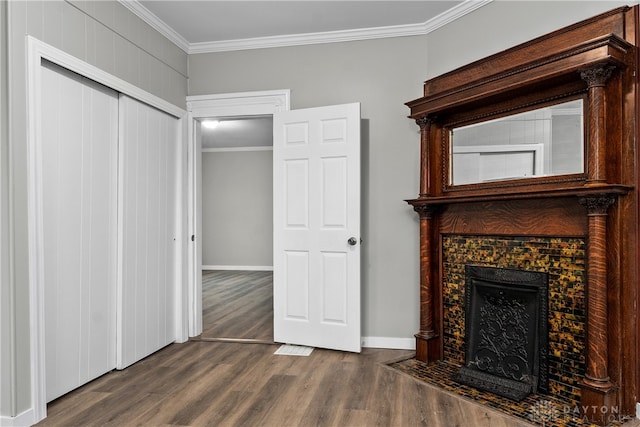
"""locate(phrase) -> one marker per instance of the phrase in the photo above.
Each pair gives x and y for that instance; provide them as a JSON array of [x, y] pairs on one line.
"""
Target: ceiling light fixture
[[210, 124]]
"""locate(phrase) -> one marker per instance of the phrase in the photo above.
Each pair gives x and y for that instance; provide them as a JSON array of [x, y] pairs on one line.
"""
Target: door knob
[[352, 241]]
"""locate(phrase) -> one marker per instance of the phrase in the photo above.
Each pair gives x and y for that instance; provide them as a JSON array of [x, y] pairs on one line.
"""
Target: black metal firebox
[[505, 331]]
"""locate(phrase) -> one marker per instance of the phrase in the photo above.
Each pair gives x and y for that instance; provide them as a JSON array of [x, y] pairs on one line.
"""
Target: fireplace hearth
[[505, 331]]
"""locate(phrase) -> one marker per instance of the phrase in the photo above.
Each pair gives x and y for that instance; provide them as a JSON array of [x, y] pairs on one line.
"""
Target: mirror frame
[[516, 81], [471, 118]]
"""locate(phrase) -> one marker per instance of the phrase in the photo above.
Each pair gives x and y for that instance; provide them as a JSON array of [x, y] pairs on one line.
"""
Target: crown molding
[[158, 24], [452, 14]]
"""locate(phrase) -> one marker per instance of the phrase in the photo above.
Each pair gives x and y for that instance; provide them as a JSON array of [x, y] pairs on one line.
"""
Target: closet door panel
[[79, 205], [148, 148]]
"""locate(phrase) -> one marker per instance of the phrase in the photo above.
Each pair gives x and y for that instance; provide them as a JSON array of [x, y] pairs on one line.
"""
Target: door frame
[[36, 52], [238, 104]]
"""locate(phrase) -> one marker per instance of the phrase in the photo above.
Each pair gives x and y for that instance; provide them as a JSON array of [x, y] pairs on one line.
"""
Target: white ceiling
[[202, 26], [219, 21]]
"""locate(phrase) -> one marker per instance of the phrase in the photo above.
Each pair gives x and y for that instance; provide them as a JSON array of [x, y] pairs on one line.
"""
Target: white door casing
[[316, 154], [238, 104]]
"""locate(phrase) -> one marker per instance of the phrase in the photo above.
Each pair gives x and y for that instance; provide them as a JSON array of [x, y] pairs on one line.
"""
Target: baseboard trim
[[389, 343], [239, 267], [24, 419]]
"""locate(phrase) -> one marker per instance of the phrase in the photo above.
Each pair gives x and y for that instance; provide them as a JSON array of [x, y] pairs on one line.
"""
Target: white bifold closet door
[[109, 203], [147, 242], [79, 143]]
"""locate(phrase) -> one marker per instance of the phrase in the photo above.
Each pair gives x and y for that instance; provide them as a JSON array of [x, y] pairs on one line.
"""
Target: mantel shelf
[[578, 191]]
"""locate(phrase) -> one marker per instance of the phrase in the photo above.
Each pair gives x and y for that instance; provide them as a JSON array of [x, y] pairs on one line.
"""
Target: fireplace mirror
[[545, 141]]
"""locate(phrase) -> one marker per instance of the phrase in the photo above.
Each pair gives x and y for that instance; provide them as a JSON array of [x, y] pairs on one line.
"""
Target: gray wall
[[237, 208], [382, 75], [104, 34]]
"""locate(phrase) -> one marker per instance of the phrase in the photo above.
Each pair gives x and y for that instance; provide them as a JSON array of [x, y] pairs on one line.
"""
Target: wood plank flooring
[[202, 383], [237, 305]]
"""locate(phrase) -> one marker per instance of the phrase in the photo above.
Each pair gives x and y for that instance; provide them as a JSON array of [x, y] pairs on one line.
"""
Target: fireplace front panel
[[563, 259], [505, 331]]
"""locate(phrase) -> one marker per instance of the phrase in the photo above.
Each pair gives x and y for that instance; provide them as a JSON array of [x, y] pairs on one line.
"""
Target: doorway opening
[[237, 228], [247, 106]]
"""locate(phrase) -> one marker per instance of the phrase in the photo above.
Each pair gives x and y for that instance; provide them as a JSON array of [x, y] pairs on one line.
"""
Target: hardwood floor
[[202, 383], [237, 305]]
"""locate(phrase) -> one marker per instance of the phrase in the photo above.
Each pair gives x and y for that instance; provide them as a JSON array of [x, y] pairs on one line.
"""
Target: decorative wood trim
[[596, 78], [519, 192], [428, 339], [481, 85], [425, 127], [597, 384], [594, 60], [561, 217]]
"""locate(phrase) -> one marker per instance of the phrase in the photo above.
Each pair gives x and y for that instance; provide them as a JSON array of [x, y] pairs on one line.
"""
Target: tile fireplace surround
[[563, 260], [579, 228]]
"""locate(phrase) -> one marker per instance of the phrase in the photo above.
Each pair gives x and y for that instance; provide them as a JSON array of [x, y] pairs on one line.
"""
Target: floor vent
[[293, 350]]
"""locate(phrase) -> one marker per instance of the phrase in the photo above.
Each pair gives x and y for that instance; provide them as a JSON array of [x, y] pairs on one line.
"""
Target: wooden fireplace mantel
[[533, 193], [594, 60]]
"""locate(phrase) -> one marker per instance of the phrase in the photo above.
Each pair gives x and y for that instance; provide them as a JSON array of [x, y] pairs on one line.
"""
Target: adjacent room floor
[[237, 305]]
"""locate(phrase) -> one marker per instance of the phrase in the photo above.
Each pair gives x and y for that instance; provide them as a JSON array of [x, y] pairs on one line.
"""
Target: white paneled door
[[317, 227], [79, 202], [147, 214]]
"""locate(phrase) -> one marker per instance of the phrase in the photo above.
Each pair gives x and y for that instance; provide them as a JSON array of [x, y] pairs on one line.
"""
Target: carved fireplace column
[[596, 79], [427, 339], [425, 127], [598, 393]]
